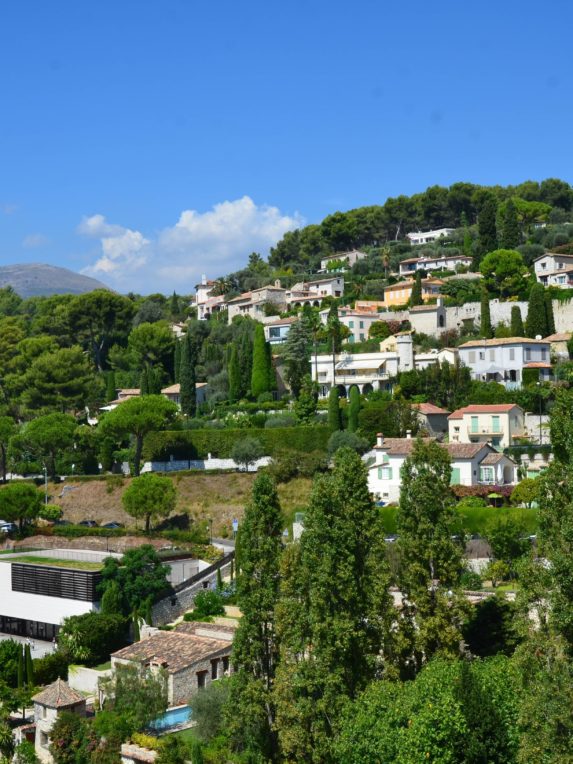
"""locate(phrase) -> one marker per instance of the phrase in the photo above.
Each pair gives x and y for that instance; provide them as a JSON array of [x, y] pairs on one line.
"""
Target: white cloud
[[214, 242], [34, 240]]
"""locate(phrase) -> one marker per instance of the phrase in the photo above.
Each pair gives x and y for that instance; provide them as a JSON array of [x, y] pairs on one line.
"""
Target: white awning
[[356, 365]]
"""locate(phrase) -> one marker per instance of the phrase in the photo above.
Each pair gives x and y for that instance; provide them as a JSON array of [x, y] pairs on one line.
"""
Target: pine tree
[[334, 614], [517, 329], [353, 409], [188, 379], [110, 386], [296, 354], [431, 561], [486, 329], [260, 376], [510, 235], [487, 230], [234, 375], [144, 381], [255, 646], [416, 295], [177, 361], [334, 414], [536, 322], [549, 316]]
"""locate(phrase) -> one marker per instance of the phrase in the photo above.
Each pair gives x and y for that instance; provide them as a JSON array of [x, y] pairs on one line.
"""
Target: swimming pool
[[173, 717]]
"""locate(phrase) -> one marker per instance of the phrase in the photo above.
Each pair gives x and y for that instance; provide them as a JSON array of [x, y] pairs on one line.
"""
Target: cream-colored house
[[498, 424]]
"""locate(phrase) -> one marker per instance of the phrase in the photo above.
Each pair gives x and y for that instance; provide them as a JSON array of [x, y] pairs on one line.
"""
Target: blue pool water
[[172, 718]]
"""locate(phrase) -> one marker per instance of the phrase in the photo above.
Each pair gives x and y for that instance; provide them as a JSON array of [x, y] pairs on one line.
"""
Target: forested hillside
[[458, 206]]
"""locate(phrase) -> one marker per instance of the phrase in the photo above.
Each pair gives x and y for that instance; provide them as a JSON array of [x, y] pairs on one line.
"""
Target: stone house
[[193, 655], [48, 704], [255, 302], [432, 419]]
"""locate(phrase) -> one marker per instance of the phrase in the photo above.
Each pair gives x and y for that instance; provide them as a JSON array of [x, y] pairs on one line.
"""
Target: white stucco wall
[[36, 607]]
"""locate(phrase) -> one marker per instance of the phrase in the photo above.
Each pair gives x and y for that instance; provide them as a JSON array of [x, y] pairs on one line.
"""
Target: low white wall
[[85, 679], [175, 465]]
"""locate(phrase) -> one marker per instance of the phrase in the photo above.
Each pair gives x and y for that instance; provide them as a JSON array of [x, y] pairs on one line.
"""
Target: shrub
[[247, 451], [51, 667], [91, 637], [208, 603], [145, 741], [345, 439], [281, 420], [291, 464], [470, 580]]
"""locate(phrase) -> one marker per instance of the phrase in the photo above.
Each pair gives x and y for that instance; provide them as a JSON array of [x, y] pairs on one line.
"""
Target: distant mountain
[[38, 279]]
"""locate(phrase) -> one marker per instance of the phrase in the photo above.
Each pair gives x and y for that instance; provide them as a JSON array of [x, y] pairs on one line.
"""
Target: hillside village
[[342, 473]]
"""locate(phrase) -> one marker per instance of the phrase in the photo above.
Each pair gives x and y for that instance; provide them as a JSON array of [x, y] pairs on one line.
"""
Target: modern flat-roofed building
[[409, 266], [426, 237], [39, 589], [342, 260]]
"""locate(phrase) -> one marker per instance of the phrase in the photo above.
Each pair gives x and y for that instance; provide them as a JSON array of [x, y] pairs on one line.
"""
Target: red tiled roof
[[429, 408], [59, 694], [486, 408], [503, 341]]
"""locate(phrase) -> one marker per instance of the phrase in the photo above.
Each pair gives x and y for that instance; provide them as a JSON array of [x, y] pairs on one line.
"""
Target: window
[[201, 679], [385, 473], [362, 324], [486, 475], [225, 665], [361, 337], [351, 324], [472, 356], [455, 476], [528, 354], [482, 355], [492, 354], [474, 424], [543, 354], [214, 668], [512, 354], [495, 424]]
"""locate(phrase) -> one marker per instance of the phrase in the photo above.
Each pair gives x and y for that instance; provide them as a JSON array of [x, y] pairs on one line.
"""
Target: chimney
[[379, 440], [278, 283], [408, 434], [538, 337], [440, 302]]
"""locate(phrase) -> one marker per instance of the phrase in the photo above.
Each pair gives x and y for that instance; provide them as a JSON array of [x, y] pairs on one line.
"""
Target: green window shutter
[[495, 425], [455, 478], [351, 324], [474, 422], [379, 473]]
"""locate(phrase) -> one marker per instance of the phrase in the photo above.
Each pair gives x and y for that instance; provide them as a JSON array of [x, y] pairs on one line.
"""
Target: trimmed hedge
[[197, 444], [475, 519]]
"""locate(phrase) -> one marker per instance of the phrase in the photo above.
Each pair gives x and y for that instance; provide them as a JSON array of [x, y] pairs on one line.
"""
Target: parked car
[[88, 524], [113, 525], [7, 527]]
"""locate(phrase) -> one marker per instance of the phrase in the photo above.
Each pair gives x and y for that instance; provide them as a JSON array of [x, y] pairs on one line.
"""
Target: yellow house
[[400, 293]]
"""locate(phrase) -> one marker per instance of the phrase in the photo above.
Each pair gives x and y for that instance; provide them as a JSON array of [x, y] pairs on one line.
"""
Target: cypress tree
[[245, 362], [29, 666], [487, 230], [110, 386], [433, 607], [234, 375], [510, 234], [550, 318], [255, 646], [174, 305], [135, 623], [219, 580], [354, 409], [416, 296], [177, 361], [188, 393], [334, 614], [486, 329], [20, 674], [517, 329], [334, 413], [270, 367], [536, 323], [260, 375], [144, 381]]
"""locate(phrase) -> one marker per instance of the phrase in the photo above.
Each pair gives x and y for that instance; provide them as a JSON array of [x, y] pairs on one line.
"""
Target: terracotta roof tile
[[503, 341], [483, 408], [429, 408], [559, 337], [464, 450], [492, 459], [59, 694], [176, 650]]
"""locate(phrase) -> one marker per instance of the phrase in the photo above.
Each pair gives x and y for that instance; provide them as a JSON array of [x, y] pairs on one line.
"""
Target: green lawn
[[186, 735], [37, 560]]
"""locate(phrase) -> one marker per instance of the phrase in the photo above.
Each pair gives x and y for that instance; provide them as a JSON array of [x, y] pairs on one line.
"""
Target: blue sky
[[148, 142]]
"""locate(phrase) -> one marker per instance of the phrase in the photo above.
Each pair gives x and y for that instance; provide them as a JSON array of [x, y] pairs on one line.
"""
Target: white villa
[[503, 360], [253, 303], [472, 464], [346, 258], [373, 371], [312, 292], [553, 269], [497, 424], [409, 266], [426, 237]]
